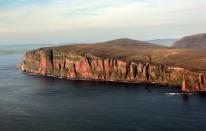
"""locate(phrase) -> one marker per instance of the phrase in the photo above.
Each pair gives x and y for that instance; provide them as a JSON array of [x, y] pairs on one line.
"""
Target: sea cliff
[[87, 66]]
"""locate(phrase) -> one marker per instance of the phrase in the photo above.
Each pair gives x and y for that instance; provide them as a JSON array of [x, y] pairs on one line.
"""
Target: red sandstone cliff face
[[75, 66]]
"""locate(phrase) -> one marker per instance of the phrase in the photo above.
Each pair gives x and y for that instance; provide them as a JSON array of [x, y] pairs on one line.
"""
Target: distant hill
[[126, 42], [165, 42], [194, 41]]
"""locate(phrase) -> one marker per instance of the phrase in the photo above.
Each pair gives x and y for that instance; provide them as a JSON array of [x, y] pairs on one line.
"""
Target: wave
[[175, 94]]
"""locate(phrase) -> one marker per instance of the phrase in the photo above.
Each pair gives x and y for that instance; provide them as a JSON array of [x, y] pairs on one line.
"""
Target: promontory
[[122, 60]]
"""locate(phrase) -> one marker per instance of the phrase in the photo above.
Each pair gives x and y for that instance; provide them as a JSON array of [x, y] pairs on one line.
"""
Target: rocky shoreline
[[73, 66]]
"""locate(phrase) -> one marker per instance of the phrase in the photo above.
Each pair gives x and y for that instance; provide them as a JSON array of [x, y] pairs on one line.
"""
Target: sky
[[69, 21]]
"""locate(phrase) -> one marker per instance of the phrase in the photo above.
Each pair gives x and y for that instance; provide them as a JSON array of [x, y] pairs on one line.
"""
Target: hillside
[[165, 42], [194, 41], [125, 42]]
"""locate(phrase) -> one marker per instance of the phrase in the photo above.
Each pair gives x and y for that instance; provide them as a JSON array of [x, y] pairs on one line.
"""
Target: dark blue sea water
[[37, 103]]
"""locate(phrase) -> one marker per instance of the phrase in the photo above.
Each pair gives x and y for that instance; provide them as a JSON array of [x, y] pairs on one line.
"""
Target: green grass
[[179, 80], [66, 69]]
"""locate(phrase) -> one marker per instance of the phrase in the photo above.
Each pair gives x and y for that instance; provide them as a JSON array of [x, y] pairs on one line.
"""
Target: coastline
[[62, 63], [124, 82], [99, 80]]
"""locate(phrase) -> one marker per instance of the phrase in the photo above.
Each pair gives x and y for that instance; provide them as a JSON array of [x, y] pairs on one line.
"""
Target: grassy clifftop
[[127, 49]]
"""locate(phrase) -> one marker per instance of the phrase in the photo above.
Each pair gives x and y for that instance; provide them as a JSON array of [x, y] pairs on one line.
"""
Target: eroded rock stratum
[[85, 65]]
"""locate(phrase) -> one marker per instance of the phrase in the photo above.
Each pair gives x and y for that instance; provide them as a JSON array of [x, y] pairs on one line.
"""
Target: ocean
[[40, 103]]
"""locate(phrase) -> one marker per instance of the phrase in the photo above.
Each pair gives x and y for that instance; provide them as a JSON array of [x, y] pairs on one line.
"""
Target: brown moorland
[[133, 50]]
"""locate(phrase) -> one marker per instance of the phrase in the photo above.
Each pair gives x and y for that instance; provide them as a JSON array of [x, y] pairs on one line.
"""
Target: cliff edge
[[121, 60]]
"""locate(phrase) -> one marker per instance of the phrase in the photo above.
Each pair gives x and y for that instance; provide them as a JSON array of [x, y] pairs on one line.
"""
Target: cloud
[[46, 18]]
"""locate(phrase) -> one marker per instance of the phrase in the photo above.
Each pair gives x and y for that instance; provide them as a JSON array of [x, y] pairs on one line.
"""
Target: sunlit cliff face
[[87, 67]]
